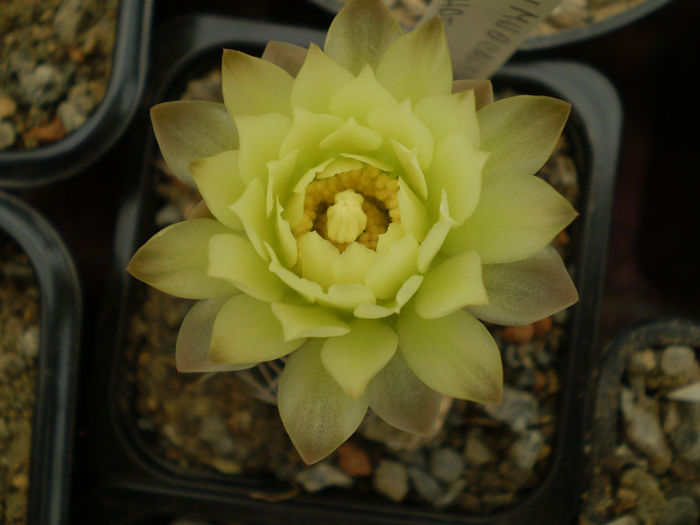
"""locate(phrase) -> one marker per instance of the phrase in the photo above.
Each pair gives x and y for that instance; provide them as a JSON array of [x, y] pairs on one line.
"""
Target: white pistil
[[346, 220]]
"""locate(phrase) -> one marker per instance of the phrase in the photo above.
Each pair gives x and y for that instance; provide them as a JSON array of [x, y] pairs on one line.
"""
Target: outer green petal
[[220, 185], [414, 216], [451, 285], [457, 168], [252, 86], [360, 34], [483, 90], [523, 292], [187, 130], [192, 346], [246, 331], [517, 216], [315, 411], [448, 114], [316, 258], [402, 400], [436, 236], [360, 96], [260, 138], [418, 64], [308, 321], [233, 258], [355, 358], [521, 132], [175, 260], [317, 81], [454, 355], [399, 123], [287, 56], [307, 131], [250, 208], [393, 267]]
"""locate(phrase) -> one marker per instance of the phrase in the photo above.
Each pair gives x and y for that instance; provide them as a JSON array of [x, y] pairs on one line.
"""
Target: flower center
[[356, 205]]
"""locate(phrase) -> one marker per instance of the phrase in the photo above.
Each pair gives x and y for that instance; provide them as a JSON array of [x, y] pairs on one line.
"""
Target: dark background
[[652, 268]]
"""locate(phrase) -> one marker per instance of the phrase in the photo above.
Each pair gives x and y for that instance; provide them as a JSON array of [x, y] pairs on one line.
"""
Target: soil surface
[[19, 346], [56, 56]]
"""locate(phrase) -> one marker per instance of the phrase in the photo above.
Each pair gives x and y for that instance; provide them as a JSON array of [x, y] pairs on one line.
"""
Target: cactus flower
[[362, 214]]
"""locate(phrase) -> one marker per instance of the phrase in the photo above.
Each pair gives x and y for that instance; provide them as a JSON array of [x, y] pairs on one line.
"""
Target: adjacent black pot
[[61, 312], [568, 36], [68, 156], [606, 427], [123, 481]]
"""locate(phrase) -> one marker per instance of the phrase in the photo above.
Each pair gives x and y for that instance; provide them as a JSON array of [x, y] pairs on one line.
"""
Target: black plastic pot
[[125, 482], [605, 425], [568, 36], [68, 156], [61, 312]]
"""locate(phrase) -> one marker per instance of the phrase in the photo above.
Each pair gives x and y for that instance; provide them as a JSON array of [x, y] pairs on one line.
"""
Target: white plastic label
[[483, 34]]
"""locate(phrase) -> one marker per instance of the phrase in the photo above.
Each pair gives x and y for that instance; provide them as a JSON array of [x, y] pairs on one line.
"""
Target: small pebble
[[519, 409], [8, 106], [526, 450], [677, 359], [543, 326], [518, 334], [426, 485], [7, 135], [391, 479], [446, 465], [353, 460], [624, 520], [321, 476], [642, 361], [679, 511]]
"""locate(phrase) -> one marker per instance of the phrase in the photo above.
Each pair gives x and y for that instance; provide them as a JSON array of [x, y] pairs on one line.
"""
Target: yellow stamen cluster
[[380, 205]]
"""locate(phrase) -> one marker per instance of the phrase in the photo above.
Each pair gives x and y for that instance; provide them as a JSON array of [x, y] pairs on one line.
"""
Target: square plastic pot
[[123, 481], [51, 457]]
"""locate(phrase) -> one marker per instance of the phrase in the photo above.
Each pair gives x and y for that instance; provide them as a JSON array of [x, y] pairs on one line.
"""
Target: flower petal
[[250, 208], [393, 267], [220, 185], [355, 358], [187, 130], [316, 257], [360, 34], [436, 236], [360, 96], [260, 138], [352, 137], [521, 132], [280, 174], [402, 400], [315, 411], [454, 355], [408, 158], [372, 310], [399, 123], [454, 283], [483, 90], [448, 114], [418, 64], [287, 56], [414, 216], [526, 291], [353, 264], [252, 86], [309, 290], [233, 258], [317, 81], [175, 260], [517, 216], [307, 131], [346, 296], [192, 346], [246, 331], [286, 241], [457, 168], [308, 321]]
